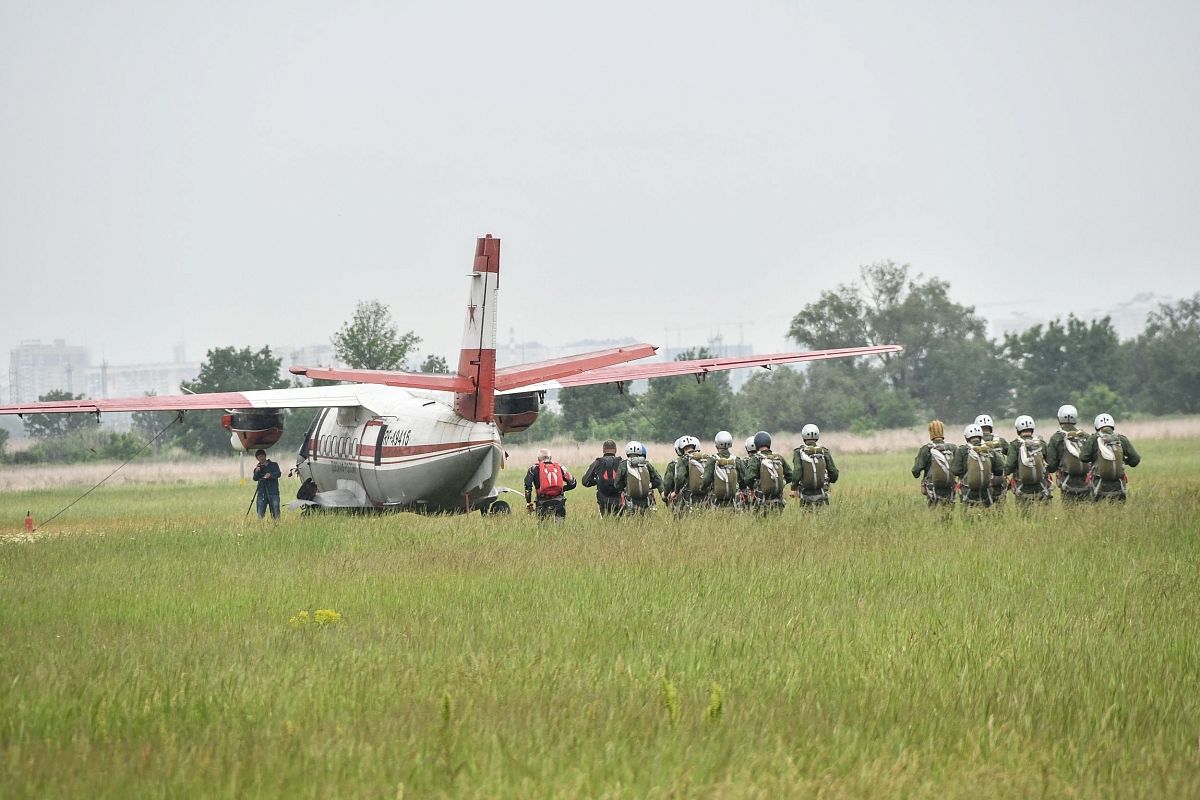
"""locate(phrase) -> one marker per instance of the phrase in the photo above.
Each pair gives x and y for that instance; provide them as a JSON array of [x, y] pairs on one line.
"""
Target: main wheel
[[499, 507]]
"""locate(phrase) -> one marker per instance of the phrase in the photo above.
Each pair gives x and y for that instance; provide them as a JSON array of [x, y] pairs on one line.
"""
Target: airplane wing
[[508, 377], [299, 397], [700, 367], [558, 368]]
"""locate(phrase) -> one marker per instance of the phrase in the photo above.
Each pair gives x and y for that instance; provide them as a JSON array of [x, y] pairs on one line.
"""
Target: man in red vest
[[550, 480]]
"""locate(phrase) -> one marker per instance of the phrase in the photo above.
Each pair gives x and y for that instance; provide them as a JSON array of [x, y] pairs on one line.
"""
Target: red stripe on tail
[[477, 359]]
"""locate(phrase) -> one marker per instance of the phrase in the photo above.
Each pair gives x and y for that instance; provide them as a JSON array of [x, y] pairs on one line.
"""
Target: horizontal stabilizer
[[556, 368]]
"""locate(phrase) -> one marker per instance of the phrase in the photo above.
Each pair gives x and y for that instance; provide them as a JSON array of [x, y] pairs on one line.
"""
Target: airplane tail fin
[[477, 359]]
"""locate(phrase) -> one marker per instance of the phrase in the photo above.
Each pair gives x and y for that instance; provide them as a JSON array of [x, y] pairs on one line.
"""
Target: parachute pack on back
[[1110, 457], [770, 475], [550, 479], [1072, 464], [941, 456], [637, 478], [606, 476], [813, 472], [695, 471], [725, 477], [1031, 461], [979, 467]]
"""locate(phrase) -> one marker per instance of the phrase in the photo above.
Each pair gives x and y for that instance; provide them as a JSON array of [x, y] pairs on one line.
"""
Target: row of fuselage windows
[[329, 446]]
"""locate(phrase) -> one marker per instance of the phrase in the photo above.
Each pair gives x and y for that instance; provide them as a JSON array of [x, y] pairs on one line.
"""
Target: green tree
[[371, 340], [1164, 363], [56, 426], [1099, 398], [3, 444], [826, 393], [225, 369], [1056, 364], [684, 405], [771, 401], [435, 364], [585, 406], [947, 358]]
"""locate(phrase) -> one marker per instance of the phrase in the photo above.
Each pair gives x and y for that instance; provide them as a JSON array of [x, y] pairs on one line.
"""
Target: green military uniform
[[1026, 492], [638, 504], [994, 466], [931, 476], [710, 477], [1104, 488], [809, 495], [1072, 471], [761, 496], [1000, 447]]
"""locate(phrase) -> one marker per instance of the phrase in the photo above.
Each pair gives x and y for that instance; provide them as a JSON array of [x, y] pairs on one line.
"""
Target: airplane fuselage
[[405, 451]]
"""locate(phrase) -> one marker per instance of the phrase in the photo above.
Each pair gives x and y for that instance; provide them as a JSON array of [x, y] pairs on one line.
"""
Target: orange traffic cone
[[28, 523]]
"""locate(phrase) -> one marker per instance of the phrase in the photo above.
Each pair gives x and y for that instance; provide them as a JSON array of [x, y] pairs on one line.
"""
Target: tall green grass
[[873, 648]]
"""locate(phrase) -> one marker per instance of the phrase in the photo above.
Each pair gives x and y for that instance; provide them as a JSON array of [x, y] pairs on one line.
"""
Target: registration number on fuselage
[[396, 438]]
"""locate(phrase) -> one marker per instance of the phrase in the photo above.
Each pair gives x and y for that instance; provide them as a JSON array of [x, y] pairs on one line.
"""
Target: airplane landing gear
[[499, 507]]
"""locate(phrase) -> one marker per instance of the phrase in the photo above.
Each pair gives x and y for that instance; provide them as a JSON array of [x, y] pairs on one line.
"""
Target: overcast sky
[[243, 173]]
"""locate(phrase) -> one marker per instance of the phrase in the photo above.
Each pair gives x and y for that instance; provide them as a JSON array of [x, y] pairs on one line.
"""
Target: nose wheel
[[499, 507]]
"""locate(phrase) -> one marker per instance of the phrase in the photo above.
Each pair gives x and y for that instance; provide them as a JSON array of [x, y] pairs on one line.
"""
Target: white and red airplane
[[420, 441]]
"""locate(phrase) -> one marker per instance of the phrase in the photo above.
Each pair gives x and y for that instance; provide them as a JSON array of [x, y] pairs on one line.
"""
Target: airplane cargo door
[[370, 456]]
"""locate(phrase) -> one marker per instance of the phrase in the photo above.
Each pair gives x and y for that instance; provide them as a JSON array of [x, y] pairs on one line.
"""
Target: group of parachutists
[[978, 473]]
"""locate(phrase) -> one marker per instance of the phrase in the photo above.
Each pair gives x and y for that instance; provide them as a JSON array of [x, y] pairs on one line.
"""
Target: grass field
[[872, 649]]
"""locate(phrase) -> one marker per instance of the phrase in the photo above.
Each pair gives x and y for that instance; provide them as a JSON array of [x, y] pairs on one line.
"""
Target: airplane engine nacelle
[[253, 430], [516, 412]]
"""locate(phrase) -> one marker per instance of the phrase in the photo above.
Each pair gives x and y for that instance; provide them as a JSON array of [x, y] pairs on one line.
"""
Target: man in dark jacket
[[266, 475], [549, 480], [602, 475]]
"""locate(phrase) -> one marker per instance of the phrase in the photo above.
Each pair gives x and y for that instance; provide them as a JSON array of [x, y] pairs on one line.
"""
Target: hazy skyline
[[243, 174]]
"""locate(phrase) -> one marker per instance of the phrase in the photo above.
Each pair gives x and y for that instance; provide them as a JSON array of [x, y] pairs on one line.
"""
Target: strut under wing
[[703, 366]]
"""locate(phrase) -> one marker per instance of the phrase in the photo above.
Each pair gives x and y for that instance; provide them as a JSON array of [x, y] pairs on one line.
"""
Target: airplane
[[425, 442]]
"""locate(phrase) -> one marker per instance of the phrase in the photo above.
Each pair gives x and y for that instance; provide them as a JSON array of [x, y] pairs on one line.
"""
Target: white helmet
[[1105, 421], [544, 455], [973, 431], [1024, 423], [679, 445], [984, 421], [1068, 414], [750, 444], [688, 441], [633, 449], [810, 431], [723, 440]]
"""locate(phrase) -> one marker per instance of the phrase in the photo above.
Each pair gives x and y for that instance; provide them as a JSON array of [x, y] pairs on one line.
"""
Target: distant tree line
[[950, 369]]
